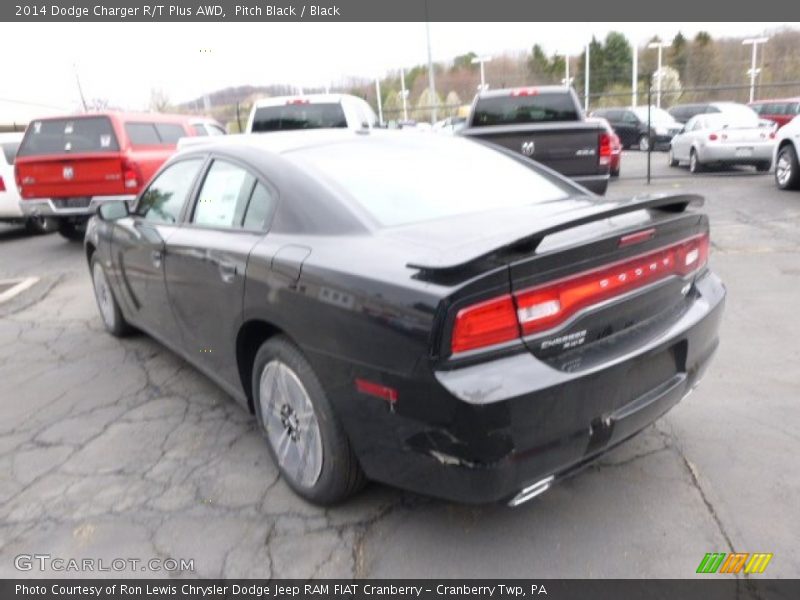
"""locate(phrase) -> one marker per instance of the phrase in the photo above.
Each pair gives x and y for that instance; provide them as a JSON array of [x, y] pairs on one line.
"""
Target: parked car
[[461, 333], [787, 149], [208, 127], [545, 124], [450, 125], [616, 146], [10, 210], [733, 137], [639, 128], [312, 111], [683, 112], [777, 111], [67, 166]]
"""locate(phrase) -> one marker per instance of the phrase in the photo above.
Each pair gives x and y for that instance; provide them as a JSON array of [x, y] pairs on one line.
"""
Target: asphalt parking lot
[[114, 448]]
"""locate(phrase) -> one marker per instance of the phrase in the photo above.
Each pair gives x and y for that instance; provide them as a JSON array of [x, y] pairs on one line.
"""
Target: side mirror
[[112, 211]]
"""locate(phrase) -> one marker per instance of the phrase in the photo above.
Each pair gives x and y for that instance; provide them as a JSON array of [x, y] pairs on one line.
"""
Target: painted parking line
[[12, 287]]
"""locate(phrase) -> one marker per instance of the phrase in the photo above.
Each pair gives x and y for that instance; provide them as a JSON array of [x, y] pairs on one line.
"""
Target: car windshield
[[657, 115], [444, 177], [10, 151], [299, 115], [57, 136]]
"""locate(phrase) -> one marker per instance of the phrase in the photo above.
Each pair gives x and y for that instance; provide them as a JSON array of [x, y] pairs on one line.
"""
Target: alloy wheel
[[783, 169], [102, 292], [291, 423]]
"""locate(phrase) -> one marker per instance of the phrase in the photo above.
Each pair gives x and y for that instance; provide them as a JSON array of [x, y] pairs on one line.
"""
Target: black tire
[[644, 143], [671, 159], [41, 225], [763, 166], [615, 173], [787, 169], [695, 166], [74, 232], [340, 474], [110, 313]]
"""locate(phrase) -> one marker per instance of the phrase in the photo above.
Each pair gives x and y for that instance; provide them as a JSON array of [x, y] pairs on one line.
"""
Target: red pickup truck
[[67, 166]]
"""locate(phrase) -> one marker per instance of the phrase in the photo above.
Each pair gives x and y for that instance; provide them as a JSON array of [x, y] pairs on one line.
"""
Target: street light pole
[[567, 81], [635, 77], [431, 83], [660, 46], [753, 72], [481, 60]]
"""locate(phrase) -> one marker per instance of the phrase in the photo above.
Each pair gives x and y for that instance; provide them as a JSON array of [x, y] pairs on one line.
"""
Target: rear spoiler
[[490, 247]]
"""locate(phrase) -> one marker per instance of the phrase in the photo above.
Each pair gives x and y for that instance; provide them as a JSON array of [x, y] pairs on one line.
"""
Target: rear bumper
[[596, 183], [485, 432], [68, 207], [761, 152]]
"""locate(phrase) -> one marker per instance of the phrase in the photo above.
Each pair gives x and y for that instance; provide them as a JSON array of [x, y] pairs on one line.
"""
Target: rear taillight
[[131, 176], [544, 307], [604, 148], [712, 137], [529, 91], [2, 184]]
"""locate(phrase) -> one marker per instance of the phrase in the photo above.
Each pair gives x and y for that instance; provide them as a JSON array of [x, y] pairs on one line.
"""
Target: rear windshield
[[73, 135], [10, 151], [541, 108], [299, 116], [447, 177]]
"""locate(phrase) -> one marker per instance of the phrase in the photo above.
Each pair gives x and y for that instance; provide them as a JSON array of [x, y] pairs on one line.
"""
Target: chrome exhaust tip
[[530, 492]]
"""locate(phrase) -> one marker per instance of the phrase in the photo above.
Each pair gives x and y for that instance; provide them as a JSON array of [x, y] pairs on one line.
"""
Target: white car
[[736, 136], [787, 149], [10, 210], [311, 111]]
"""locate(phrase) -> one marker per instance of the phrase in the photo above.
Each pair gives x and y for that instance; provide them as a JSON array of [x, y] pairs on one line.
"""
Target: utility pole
[[566, 81], [660, 46], [480, 60], [753, 71], [80, 89], [403, 92]]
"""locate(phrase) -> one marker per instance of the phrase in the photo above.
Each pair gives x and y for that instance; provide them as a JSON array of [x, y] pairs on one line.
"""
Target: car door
[[681, 143], [139, 243], [629, 126], [206, 260]]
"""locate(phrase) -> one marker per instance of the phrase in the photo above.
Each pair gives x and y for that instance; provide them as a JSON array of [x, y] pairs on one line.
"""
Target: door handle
[[156, 256], [227, 271]]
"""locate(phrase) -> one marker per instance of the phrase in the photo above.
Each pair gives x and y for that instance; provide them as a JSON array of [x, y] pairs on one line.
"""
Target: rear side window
[[262, 201], [154, 134], [170, 133], [163, 200], [10, 151], [299, 116], [72, 135], [224, 196], [509, 110], [142, 134]]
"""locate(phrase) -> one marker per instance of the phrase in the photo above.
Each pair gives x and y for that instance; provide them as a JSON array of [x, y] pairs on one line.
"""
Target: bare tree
[[159, 100]]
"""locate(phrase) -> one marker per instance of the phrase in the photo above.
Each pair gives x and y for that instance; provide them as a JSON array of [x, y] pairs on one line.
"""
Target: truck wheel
[[309, 446], [644, 143], [41, 225], [74, 232], [694, 162], [109, 309], [787, 169]]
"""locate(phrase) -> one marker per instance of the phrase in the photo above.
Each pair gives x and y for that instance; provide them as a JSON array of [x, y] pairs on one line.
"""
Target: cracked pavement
[[118, 448]]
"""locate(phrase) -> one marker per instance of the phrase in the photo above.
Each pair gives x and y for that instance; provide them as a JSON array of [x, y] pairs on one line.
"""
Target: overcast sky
[[122, 62]]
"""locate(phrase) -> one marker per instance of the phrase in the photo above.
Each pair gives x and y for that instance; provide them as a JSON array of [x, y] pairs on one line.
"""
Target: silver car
[[735, 136]]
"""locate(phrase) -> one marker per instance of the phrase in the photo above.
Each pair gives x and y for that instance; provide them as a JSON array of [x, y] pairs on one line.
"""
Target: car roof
[[310, 98], [125, 115], [12, 136]]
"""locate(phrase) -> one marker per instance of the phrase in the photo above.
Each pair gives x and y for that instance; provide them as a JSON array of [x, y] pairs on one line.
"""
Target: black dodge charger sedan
[[420, 310]]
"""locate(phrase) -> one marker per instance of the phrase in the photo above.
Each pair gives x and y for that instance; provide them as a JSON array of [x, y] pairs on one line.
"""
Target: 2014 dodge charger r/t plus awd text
[[475, 331]]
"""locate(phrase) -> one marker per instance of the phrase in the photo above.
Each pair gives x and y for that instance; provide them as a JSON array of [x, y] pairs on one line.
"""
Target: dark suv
[[631, 125]]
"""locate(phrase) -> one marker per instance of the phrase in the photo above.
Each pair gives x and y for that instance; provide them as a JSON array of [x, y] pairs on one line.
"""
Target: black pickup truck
[[545, 124]]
